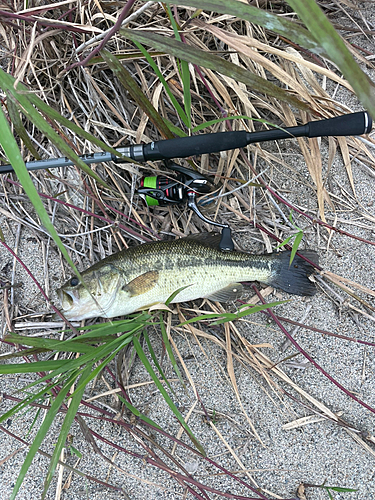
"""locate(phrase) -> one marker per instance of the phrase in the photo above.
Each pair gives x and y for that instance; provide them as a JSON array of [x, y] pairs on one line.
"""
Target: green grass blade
[[72, 364], [103, 364], [41, 434], [35, 419], [102, 332], [19, 127], [108, 352], [137, 413], [136, 93], [185, 72], [211, 61], [295, 246], [25, 403], [165, 395], [169, 350], [58, 367], [327, 37], [185, 75], [208, 316], [340, 489], [245, 309], [161, 78], [281, 25], [55, 115], [175, 130], [39, 121], [134, 56], [74, 450], [284, 242], [155, 360], [113, 327], [174, 294], [20, 354], [49, 344], [7, 84], [10, 147], [39, 366], [225, 317], [63, 367], [64, 430]]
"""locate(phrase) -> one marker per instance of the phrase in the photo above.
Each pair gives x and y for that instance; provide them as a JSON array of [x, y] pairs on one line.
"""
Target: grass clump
[[80, 81]]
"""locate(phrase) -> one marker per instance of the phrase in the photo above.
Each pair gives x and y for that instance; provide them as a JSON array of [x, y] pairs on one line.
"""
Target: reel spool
[[162, 190]]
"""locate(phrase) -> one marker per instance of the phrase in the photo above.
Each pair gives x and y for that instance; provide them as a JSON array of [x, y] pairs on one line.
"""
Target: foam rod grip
[[350, 124], [196, 145]]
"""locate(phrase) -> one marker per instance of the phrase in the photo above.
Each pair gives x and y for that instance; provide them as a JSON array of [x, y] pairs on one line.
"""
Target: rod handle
[[195, 145], [350, 124]]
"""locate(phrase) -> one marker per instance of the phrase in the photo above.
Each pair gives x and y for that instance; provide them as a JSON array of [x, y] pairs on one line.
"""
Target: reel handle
[[226, 242]]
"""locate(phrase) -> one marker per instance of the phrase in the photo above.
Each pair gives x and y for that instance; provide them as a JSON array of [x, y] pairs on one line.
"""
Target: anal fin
[[230, 292]]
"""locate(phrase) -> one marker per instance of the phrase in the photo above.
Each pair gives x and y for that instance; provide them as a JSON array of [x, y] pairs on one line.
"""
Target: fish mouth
[[76, 308], [67, 299], [71, 308]]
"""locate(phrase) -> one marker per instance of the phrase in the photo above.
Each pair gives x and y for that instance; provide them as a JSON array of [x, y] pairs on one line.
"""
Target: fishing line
[[211, 199]]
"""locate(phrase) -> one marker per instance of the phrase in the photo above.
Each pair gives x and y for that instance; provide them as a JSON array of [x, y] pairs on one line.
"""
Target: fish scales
[[147, 274], [184, 263]]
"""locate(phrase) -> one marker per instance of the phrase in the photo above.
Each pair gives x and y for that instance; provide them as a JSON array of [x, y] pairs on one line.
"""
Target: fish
[[138, 277]]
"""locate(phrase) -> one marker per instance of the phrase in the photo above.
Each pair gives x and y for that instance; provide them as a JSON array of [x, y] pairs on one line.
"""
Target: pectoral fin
[[142, 283], [230, 292]]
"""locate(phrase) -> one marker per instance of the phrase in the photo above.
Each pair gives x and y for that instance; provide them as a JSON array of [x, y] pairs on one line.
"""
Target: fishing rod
[[350, 124], [162, 190]]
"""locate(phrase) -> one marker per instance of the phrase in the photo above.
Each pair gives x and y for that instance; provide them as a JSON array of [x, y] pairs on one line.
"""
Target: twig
[[107, 36], [307, 356], [126, 21]]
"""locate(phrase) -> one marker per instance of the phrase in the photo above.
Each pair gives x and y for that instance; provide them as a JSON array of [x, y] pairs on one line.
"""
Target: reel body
[[161, 190]]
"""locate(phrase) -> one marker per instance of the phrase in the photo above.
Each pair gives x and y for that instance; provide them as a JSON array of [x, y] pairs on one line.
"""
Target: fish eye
[[74, 281]]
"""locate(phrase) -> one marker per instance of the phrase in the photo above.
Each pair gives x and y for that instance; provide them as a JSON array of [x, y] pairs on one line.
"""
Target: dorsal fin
[[209, 239]]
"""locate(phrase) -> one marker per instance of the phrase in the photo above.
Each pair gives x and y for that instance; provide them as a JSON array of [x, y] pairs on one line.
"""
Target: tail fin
[[294, 278]]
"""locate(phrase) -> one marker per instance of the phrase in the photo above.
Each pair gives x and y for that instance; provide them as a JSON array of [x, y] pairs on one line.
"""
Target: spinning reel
[[162, 191]]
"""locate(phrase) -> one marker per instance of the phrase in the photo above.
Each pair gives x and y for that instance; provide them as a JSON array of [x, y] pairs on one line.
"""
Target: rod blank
[[350, 124]]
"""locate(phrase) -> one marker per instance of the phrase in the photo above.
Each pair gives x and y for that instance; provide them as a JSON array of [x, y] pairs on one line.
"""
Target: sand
[[318, 452]]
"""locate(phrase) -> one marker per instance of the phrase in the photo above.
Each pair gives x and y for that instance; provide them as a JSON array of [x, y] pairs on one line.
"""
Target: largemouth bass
[[148, 274]]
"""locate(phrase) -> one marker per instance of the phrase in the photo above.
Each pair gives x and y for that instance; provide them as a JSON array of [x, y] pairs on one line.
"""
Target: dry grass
[[94, 221]]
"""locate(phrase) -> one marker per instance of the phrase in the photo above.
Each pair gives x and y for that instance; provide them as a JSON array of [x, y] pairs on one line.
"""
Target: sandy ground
[[321, 451], [314, 453]]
